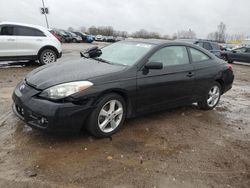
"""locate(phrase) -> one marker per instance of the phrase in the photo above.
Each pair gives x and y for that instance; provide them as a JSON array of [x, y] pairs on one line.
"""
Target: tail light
[[56, 36], [229, 67]]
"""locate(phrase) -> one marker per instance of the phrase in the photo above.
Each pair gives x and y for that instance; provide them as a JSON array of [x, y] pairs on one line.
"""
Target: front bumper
[[47, 115]]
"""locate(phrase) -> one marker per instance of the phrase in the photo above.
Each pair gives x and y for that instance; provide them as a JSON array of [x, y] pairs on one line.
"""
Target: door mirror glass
[[154, 65]]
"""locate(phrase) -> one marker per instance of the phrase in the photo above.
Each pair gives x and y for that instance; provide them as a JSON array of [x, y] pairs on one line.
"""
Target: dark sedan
[[119, 81], [241, 54]]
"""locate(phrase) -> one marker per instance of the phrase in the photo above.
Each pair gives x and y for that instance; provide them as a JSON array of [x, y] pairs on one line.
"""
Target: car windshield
[[73, 34], [125, 53]]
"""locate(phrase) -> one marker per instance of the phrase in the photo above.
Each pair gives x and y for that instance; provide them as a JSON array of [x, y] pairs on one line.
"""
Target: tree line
[[218, 35]]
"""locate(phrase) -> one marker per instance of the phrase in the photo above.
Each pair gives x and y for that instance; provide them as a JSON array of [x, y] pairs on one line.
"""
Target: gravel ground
[[184, 147]]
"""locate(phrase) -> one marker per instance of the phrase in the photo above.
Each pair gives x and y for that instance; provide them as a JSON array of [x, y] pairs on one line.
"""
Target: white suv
[[28, 42]]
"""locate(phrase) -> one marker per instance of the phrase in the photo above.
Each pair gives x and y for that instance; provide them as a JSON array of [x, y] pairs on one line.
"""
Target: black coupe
[[123, 80]]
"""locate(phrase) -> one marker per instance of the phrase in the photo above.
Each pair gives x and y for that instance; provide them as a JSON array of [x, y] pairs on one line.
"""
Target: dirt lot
[[184, 147]]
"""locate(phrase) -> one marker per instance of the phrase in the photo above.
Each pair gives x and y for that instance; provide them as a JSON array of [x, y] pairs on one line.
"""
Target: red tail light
[[229, 67]]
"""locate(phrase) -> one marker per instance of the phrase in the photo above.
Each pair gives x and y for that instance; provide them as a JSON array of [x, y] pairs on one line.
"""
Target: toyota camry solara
[[105, 86]]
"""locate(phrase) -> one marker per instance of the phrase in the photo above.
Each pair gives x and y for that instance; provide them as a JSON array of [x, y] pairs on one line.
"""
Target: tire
[[104, 121], [228, 60], [74, 41], [47, 56], [212, 98]]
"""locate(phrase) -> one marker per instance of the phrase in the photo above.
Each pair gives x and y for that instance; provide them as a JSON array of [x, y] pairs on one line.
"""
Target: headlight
[[64, 90]]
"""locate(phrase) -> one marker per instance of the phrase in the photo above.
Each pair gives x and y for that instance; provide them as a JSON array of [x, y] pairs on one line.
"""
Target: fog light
[[43, 120]]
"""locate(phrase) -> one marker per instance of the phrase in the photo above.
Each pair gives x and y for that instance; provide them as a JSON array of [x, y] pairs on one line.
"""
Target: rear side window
[[199, 44], [26, 31], [207, 46], [6, 30], [198, 56], [171, 55], [215, 46]]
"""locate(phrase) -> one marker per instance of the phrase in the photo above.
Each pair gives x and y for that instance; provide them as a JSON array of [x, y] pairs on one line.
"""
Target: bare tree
[[219, 35], [189, 34], [70, 29], [145, 34], [83, 29], [221, 32]]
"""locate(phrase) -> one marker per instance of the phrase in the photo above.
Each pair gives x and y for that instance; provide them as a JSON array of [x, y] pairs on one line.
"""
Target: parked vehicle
[[110, 39], [241, 54], [75, 38], [28, 42], [85, 37], [213, 47], [56, 35], [120, 38], [99, 38], [64, 37], [122, 80]]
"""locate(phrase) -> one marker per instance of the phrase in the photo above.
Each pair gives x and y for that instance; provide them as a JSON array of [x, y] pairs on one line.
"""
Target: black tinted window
[[172, 55], [207, 46], [26, 31], [7, 30]]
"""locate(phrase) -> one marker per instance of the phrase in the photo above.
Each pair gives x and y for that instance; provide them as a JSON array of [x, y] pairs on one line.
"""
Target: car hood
[[63, 72]]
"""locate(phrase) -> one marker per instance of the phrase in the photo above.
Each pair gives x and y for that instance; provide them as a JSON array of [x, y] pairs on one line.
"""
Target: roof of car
[[23, 24], [160, 41], [150, 41]]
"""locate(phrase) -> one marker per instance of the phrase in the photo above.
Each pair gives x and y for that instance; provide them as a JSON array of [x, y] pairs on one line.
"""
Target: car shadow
[[10, 64], [84, 135]]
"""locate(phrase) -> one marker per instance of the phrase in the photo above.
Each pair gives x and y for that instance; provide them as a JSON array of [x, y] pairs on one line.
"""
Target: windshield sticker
[[144, 45]]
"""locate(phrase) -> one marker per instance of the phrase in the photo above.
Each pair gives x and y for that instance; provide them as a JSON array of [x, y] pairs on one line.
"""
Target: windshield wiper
[[102, 60]]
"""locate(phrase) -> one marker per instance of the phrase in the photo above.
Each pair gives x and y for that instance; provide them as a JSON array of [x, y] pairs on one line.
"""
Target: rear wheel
[[108, 117], [47, 56], [212, 98]]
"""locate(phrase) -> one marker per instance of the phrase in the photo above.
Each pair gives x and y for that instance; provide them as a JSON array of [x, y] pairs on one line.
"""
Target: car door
[[205, 70], [8, 44], [169, 86], [247, 54], [238, 54], [29, 40]]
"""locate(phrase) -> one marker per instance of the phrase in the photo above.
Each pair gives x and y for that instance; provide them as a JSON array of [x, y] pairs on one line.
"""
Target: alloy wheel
[[110, 116], [213, 96], [48, 57]]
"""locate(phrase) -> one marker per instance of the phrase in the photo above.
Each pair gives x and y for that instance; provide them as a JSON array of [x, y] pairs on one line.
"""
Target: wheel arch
[[48, 47], [122, 93], [222, 84]]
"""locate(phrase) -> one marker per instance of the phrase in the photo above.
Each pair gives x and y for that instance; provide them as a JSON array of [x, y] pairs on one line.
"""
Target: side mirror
[[91, 52], [234, 51], [154, 65]]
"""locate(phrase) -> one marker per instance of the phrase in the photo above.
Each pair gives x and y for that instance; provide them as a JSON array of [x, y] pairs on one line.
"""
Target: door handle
[[11, 40], [39, 40], [190, 74]]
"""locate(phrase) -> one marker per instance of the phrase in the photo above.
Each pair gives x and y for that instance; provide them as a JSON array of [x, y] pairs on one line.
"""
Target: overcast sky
[[163, 16]]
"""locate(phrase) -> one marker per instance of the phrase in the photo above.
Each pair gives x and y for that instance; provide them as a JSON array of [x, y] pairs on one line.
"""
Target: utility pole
[[45, 11]]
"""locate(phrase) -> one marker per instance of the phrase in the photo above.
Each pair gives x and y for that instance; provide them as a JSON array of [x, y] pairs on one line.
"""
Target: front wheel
[[47, 56], [108, 117], [212, 98]]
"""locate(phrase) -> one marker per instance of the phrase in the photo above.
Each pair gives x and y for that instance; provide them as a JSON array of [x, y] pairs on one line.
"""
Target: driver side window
[[171, 55], [240, 50]]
